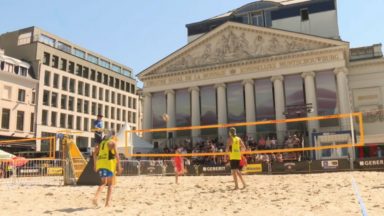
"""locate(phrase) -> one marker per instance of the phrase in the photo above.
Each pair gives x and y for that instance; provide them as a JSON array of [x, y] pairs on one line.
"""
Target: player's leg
[[99, 189], [109, 192]]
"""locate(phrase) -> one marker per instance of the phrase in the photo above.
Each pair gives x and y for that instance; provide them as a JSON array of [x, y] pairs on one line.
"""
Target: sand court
[[315, 194]]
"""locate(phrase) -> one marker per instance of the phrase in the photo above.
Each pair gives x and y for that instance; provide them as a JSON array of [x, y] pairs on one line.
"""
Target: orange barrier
[[52, 141]]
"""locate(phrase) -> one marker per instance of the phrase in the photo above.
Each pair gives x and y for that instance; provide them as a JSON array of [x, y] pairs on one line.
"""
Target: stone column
[[171, 111], [195, 112], [279, 106], [250, 110], [310, 97], [147, 118], [222, 110], [343, 95]]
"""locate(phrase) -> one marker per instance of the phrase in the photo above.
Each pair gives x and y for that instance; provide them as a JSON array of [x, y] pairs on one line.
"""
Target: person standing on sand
[[178, 164], [106, 163], [234, 147]]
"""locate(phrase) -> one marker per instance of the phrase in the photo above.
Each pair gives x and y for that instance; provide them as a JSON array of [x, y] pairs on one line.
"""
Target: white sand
[[317, 194]]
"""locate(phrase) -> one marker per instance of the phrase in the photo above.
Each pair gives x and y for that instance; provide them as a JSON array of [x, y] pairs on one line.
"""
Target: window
[[93, 75], [72, 85], [55, 61], [78, 123], [47, 78], [124, 115], [20, 121], [63, 101], [64, 83], [133, 90], [112, 125], [124, 100], [116, 68], [118, 99], [80, 86], [105, 79], [122, 85], [93, 109], [134, 103], [85, 72], [32, 122], [56, 81], [44, 117], [129, 102], [127, 87], [7, 90], [112, 112], [79, 70], [46, 58], [70, 121], [126, 73], [21, 95], [8, 67], [63, 118], [54, 98], [71, 67], [107, 95], [46, 98], [117, 83], [47, 40], [134, 117], [257, 19], [104, 63], [86, 107], [118, 114], [79, 53], [63, 64], [23, 71], [86, 90], [106, 125], [113, 97], [94, 91], [101, 94], [304, 14], [129, 116], [111, 80], [99, 108], [86, 124], [63, 47], [71, 103], [92, 58], [106, 111], [79, 105], [99, 77], [5, 117], [54, 119]]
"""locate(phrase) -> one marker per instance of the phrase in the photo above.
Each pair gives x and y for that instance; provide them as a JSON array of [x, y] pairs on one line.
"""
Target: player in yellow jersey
[[107, 163], [234, 147]]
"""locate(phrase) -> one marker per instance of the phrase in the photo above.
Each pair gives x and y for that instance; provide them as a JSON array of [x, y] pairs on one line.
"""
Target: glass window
[[44, 117], [111, 80], [294, 90], [113, 97], [93, 75], [78, 123], [235, 101], [47, 40], [117, 83], [257, 19], [32, 123], [105, 79], [106, 111], [118, 114], [63, 47], [23, 71], [72, 85], [64, 83], [85, 72], [79, 105], [63, 101], [71, 67], [112, 112], [107, 95], [63, 64], [79, 70], [47, 78], [99, 108], [101, 93], [5, 118], [134, 103], [122, 85], [92, 58], [129, 102], [326, 94], [116, 68], [183, 111], [86, 90], [118, 99], [126, 73], [127, 87], [264, 104], [134, 117], [56, 81], [124, 103], [46, 98], [80, 86], [79, 53], [63, 118], [46, 58], [99, 77], [304, 14], [71, 103], [159, 107], [124, 115], [104, 63], [94, 92], [54, 98], [130, 119], [133, 91], [70, 121], [21, 95], [86, 124], [86, 107], [55, 61], [54, 119], [93, 109]]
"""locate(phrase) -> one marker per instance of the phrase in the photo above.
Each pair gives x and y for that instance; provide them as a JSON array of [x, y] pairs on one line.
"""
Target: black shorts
[[235, 164]]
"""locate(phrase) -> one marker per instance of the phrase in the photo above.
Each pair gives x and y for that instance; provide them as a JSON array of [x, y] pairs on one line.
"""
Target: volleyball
[[165, 117]]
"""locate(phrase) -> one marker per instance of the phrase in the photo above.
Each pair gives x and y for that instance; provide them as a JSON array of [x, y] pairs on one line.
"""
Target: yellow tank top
[[106, 158], [235, 153]]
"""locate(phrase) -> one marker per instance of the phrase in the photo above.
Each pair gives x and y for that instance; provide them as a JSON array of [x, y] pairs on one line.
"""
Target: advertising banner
[[370, 164]]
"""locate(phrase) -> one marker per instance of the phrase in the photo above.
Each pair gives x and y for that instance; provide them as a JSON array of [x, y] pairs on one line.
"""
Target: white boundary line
[[359, 199]]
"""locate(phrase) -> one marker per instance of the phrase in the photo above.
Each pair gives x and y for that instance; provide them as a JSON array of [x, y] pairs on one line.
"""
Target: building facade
[[74, 85], [239, 72]]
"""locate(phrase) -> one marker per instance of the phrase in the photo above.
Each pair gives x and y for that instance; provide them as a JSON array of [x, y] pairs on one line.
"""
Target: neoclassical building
[[242, 72]]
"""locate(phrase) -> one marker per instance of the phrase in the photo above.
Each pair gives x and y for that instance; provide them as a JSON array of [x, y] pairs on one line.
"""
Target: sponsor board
[[214, 170], [254, 168], [372, 163], [289, 166], [54, 171], [330, 164]]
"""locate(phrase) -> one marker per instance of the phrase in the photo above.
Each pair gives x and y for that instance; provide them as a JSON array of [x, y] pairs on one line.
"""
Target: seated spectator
[[273, 143], [261, 143], [268, 143]]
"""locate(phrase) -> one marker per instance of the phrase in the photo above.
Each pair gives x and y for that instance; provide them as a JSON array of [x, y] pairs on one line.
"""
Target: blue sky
[[139, 33]]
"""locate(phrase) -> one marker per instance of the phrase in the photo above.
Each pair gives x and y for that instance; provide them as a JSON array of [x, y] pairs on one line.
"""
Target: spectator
[[261, 143], [273, 143], [268, 143]]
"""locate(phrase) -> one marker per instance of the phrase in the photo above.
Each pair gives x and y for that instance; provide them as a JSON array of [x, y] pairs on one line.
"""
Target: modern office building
[[74, 85], [255, 62]]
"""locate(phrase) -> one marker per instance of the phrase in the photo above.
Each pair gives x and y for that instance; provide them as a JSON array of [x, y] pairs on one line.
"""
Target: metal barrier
[[130, 167], [31, 171]]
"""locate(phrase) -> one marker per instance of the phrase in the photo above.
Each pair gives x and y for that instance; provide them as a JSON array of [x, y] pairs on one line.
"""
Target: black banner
[[290, 167], [370, 164], [329, 165], [151, 168], [214, 170]]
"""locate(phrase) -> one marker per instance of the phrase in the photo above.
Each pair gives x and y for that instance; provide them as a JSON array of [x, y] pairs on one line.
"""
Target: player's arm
[[95, 154], [119, 168], [229, 143], [243, 148]]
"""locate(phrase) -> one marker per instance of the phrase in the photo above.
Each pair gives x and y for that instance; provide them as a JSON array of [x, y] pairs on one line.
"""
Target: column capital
[[341, 70], [309, 73], [169, 91], [194, 88], [279, 77], [147, 94], [248, 81], [218, 85]]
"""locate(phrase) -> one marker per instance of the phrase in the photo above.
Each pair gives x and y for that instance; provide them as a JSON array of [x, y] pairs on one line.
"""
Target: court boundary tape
[[358, 197]]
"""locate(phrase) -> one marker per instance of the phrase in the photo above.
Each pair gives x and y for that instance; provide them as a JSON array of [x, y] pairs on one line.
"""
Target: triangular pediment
[[233, 42]]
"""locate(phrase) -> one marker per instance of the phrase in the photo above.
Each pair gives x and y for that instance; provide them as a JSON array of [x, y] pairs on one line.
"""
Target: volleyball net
[[332, 136]]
